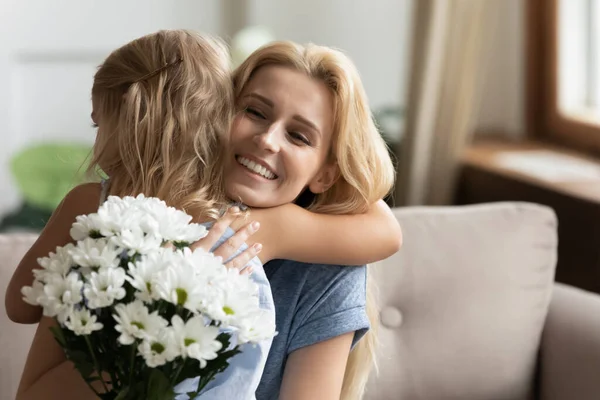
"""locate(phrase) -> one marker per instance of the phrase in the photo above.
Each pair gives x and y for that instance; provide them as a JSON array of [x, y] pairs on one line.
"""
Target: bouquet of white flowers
[[140, 315]]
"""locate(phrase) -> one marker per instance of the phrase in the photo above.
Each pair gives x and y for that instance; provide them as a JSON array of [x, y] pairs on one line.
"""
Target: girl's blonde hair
[[366, 170], [164, 105]]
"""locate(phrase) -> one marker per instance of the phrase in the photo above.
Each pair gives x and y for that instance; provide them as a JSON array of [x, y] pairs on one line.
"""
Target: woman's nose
[[269, 140]]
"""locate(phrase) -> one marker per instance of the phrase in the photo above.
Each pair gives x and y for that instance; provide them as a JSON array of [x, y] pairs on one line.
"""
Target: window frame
[[544, 121]]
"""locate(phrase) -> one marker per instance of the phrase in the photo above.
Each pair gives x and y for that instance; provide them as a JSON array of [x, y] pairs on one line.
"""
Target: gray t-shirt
[[313, 303]]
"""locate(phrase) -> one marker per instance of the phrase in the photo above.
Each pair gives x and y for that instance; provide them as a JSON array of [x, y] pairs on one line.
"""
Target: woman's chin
[[250, 197]]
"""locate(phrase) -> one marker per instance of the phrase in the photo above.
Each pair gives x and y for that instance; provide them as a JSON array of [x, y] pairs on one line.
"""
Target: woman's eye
[[254, 112], [94, 125], [299, 137]]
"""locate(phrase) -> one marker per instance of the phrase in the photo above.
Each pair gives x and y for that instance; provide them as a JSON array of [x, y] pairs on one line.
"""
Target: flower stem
[[178, 372], [132, 361], [92, 388], [96, 364], [113, 381]]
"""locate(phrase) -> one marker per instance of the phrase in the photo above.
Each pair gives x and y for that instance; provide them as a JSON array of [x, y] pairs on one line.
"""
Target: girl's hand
[[229, 247]]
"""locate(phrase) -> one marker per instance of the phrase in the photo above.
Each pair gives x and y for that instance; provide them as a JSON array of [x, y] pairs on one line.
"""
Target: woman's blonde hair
[[164, 105], [366, 170]]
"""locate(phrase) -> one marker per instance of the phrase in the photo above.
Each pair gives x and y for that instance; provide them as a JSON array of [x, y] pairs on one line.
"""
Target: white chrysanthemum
[[144, 273], [96, 253], [59, 263], [210, 273], [170, 223], [136, 241], [134, 321], [207, 264], [180, 284], [32, 294], [43, 275], [104, 287], [175, 226], [119, 214], [112, 217], [193, 233], [256, 327], [146, 204], [60, 294], [86, 226], [233, 297], [142, 217], [195, 339], [159, 350], [82, 322]]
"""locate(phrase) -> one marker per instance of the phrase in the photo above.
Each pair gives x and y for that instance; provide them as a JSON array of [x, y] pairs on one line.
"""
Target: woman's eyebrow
[[261, 98], [270, 104], [306, 122]]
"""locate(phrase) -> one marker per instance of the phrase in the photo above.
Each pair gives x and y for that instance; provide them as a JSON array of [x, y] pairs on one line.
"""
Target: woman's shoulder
[[323, 274], [330, 283], [315, 302]]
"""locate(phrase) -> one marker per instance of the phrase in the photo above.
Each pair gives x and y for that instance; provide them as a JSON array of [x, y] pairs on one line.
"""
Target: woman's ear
[[326, 177]]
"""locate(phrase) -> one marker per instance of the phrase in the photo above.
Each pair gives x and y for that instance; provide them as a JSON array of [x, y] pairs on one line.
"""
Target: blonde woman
[[303, 132], [162, 104]]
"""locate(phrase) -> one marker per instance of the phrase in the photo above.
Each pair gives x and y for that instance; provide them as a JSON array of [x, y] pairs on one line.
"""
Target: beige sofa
[[469, 311]]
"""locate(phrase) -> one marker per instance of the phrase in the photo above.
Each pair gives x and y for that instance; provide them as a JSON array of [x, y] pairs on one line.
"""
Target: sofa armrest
[[570, 350]]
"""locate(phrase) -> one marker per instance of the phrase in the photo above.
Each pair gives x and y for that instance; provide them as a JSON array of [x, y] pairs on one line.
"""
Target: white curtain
[[450, 49]]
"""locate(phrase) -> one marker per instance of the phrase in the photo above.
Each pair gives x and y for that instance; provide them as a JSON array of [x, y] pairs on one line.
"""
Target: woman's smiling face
[[280, 138]]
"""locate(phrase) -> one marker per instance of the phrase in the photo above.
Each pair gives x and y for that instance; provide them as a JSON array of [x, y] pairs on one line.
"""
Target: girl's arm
[[291, 232], [48, 374], [317, 371], [82, 199]]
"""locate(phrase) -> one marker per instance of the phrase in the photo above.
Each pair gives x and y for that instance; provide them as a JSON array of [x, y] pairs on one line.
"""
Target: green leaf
[[59, 335], [82, 361], [123, 394], [213, 367], [210, 371], [108, 395], [138, 390], [134, 392], [159, 387]]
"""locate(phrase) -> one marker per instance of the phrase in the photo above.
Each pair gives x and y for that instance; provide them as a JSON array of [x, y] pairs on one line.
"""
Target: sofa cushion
[[464, 302], [15, 339]]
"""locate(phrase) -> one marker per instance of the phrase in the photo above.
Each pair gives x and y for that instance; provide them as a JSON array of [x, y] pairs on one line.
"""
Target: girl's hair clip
[[158, 71]]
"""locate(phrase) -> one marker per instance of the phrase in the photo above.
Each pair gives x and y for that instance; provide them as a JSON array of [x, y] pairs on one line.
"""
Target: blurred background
[[479, 100], [49, 52]]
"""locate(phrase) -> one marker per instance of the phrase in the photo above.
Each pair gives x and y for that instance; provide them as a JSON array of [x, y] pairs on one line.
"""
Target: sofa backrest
[[15, 339], [463, 303]]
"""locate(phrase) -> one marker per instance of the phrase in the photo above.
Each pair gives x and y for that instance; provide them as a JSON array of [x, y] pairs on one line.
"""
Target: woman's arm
[[81, 200], [291, 232], [48, 374], [317, 371]]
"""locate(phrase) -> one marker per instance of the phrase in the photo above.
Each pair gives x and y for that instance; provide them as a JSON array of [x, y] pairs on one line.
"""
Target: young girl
[[163, 104]]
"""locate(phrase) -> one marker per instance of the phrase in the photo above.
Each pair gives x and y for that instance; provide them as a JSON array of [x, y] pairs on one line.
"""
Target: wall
[[502, 107], [376, 35], [46, 66], [373, 33], [48, 55]]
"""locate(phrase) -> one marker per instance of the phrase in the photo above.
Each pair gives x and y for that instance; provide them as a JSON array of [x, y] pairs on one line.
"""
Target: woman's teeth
[[256, 168]]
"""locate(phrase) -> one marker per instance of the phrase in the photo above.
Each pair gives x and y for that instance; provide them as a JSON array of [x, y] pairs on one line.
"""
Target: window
[[564, 71], [578, 67]]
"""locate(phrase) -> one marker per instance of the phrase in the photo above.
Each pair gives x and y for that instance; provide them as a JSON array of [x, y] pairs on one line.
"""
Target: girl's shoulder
[[91, 190], [83, 199]]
